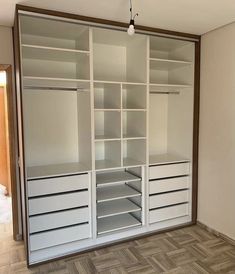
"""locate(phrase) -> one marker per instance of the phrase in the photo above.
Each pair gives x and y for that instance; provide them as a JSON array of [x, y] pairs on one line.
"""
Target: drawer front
[[58, 219], [161, 200], [57, 185], [159, 186], [163, 171], [167, 213], [58, 202], [59, 236]]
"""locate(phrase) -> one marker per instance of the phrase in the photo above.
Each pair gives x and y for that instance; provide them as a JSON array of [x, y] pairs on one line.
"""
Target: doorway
[[9, 170]]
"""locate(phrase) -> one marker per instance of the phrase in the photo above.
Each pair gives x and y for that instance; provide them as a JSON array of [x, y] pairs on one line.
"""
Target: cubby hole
[[134, 152], [107, 154], [134, 124], [107, 96], [107, 125], [134, 97], [119, 57]]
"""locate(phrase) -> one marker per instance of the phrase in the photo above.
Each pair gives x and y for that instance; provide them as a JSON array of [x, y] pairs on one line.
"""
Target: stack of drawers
[[168, 191], [58, 210]]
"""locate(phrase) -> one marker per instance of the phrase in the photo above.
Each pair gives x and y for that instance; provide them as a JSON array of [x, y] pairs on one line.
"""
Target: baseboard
[[217, 233]]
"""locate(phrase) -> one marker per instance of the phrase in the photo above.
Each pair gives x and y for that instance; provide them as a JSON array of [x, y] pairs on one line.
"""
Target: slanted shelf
[[171, 63], [119, 57], [57, 141]]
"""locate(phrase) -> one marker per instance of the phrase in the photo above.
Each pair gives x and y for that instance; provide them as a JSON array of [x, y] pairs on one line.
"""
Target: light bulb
[[3, 79], [131, 30]]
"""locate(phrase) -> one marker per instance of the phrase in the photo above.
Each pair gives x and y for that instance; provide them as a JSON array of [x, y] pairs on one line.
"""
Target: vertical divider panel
[[93, 175], [122, 155], [146, 185]]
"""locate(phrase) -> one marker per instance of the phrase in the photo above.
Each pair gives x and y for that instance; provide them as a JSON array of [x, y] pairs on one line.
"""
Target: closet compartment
[[134, 152], [107, 125], [107, 96], [134, 97], [134, 124], [49, 33], [171, 62], [117, 55], [107, 154], [55, 135], [119, 199]]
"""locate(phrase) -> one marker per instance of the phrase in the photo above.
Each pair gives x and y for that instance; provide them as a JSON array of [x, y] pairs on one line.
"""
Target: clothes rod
[[78, 89], [165, 92]]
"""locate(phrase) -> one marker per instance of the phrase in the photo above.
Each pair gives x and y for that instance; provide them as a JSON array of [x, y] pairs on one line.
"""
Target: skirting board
[[217, 233]]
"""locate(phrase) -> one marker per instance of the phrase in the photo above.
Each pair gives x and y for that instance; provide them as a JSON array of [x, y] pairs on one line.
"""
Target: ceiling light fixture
[[131, 29]]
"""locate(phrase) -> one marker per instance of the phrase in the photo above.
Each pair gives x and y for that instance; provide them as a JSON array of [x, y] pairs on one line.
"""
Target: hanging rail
[[165, 92], [78, 89]]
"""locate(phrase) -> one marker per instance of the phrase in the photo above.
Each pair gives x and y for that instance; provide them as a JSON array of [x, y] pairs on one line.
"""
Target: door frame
[[13, 148]]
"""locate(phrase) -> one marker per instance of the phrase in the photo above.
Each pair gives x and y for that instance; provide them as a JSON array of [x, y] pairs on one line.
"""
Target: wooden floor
[[184, 251]]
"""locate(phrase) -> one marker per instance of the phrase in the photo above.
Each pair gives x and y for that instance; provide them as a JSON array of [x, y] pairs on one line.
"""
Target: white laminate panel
[[58, 202], [166, 199], [60, 236], [57, 185], [58, 219], [159, 186], [163, 171], [166, 213]]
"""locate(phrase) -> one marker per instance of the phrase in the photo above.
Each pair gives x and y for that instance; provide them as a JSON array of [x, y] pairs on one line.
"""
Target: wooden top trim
[[105, 22]]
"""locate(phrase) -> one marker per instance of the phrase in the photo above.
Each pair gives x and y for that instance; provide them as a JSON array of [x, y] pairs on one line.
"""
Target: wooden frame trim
[[104, 21], [13, 152], [148, 30]]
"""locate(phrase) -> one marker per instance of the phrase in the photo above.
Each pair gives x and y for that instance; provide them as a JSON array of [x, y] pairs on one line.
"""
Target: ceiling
[[192, 16]]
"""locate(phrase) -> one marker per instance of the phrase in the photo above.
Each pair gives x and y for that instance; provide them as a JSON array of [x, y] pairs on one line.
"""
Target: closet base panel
[[81, 246]]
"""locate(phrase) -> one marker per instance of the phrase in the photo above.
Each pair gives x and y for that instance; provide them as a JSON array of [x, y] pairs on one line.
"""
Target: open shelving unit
[[119, 200]]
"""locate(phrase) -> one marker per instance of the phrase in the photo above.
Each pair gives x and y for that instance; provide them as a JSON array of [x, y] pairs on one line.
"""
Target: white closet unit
[[108, 132]]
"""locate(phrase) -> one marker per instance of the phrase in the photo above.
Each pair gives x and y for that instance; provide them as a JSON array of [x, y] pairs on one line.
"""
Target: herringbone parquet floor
[[185, 251]]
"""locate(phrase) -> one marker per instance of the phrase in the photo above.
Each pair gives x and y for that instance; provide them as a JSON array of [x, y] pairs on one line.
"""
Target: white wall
[[6, 46], [217, 131]]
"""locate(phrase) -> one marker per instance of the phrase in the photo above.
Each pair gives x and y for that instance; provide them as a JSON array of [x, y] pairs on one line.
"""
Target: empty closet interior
[[107, 128]]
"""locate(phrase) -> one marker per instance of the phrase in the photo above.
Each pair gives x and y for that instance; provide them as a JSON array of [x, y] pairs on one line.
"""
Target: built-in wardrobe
[[107, 131]]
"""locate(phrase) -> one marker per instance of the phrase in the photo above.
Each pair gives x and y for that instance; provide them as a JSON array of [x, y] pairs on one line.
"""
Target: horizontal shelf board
[[106, 164], [115, 177], [120, 82], [128, 162], [166, 159], [108, 109], [169, 85], [111, 193], [55, 79], [165, 64], [36, 172], [55, 48], [131, 137], [41, 53], [102, 138], [114, 223], [116, 207], [136, 109]]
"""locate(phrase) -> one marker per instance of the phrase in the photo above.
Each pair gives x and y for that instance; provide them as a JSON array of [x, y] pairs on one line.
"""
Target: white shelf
[[102, 138], [115, 177], [114, 223], [133, 137], [111, 193], [134, 109], [128, 162], [36, 172], [116, 207], [167, 64], [55, 79], [166, 159], [106, 164], [108, 109], [55, 48], [169, 85], [120, 82]]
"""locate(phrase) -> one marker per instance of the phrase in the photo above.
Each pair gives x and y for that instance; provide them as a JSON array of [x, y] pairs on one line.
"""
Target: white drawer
[[59, 236], [165, 185], [166, 199], [167, 213], [163, 171], [58, 202], [58, 219], [57, 185]]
